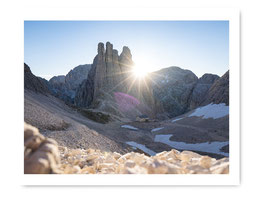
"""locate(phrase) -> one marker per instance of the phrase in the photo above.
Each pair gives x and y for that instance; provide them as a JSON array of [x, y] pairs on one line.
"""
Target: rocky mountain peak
[[208, 78], [101, 49], [65, 86], [110, 80]]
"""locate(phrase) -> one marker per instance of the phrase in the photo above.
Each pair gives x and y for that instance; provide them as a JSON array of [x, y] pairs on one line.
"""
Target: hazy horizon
[[53, 48]]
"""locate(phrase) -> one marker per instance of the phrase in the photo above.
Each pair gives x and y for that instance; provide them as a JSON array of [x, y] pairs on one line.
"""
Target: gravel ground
[[71, 129]]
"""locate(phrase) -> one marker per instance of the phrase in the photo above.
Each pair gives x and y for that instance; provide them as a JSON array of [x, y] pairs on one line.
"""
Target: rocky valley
[[100, 118]]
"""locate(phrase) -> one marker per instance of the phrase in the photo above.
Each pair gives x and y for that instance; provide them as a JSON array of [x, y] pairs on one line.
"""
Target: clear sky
[[55, 47]]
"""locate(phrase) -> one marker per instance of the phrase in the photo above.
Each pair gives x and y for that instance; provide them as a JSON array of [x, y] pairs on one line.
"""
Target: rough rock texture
[[219, 91], [75, 76], [65, 87], [57, 81], [201, 89], [173, 87], [167, 162], [34, 83], [41, 155], [111, 86]]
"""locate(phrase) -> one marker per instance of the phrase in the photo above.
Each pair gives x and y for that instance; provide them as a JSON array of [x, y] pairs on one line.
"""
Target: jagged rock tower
[[111, 85]]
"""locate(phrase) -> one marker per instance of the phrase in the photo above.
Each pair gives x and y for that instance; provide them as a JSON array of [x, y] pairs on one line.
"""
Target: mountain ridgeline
[[65, 87], [108, 85]]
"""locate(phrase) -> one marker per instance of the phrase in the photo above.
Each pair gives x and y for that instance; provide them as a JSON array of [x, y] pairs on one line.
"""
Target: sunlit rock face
[[112, 87]]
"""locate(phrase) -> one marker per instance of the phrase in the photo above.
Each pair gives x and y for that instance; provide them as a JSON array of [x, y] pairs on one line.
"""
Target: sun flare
[[140, 71]]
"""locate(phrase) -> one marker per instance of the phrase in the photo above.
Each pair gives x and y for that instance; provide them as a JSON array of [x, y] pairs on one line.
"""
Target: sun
[[140, 71]]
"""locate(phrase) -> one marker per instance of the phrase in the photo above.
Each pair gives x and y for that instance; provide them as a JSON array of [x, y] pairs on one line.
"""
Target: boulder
[[41, 155]]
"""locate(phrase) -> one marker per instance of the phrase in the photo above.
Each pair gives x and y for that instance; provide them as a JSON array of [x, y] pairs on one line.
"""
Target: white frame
[[139, 13]]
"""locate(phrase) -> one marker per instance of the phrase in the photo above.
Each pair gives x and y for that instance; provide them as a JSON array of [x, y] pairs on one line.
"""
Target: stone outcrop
[[219, 91], [173, 87], [112, 87], [41, 155], [65, 87], [201, 89], [167, 162], [33, 83]]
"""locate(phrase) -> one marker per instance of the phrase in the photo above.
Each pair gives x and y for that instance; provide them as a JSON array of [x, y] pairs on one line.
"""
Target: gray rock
[[65, 87], [201, 89], [219, 91], [33, 83], [85, 91], [173, 87], [110, 80], [41, 155]]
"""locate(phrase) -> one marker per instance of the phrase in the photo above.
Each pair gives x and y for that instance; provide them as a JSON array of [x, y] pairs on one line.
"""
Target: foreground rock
[[41, 154], [76, 161]]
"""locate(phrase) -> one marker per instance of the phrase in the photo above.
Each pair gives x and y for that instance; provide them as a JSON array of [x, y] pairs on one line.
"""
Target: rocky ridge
[[219, 91], [33, 83], [109, 85], [112, 87], [201, 89], [180, 91], [65, 87], [173, 87]]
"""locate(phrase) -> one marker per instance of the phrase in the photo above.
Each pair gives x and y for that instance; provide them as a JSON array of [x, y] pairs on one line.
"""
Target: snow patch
[[130, 127], [212, 147], [157, 129], [141, 147], [211, 111], [176, 119]]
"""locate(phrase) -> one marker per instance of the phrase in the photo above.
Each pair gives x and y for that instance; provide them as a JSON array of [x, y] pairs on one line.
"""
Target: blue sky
[[55, 47]]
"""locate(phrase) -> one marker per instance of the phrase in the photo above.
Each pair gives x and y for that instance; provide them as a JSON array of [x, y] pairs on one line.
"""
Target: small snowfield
[[157, 129], [214, 111], [129, 127], [213, 147], [176, 119], [141, 147]]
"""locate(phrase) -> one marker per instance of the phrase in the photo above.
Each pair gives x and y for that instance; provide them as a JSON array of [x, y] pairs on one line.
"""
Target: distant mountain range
[[104, 106], [108, 85]]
